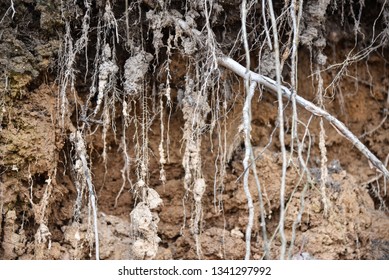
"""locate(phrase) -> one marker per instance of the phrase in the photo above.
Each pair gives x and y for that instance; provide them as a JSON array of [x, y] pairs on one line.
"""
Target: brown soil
[[38, 194]]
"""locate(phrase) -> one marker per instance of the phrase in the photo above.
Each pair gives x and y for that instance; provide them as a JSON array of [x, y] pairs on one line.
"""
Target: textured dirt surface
[[38, 196]]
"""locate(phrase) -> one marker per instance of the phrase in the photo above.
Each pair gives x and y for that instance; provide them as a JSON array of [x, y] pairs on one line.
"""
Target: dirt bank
[[120, 127]]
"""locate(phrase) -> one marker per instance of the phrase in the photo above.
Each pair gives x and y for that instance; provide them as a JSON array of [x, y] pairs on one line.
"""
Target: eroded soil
[[38, 196]]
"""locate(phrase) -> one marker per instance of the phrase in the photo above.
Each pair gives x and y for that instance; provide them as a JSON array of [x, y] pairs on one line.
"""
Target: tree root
[[309, 106]]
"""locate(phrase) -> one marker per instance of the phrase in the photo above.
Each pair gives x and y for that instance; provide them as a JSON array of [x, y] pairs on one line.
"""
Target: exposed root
[[309, 106], [83, 176]]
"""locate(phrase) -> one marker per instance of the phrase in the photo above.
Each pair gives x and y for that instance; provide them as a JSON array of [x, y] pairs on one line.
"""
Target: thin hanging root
[[324, 169], [309, 106], [323, 149], [249, 88], [281, 128], [84, 174], [246, 165]]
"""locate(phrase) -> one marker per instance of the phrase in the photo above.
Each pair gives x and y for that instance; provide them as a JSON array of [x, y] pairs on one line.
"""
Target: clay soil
[[38, 194]]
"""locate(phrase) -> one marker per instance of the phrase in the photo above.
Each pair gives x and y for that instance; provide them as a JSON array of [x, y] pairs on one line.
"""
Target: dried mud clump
[[28, 142], [144, 228]]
